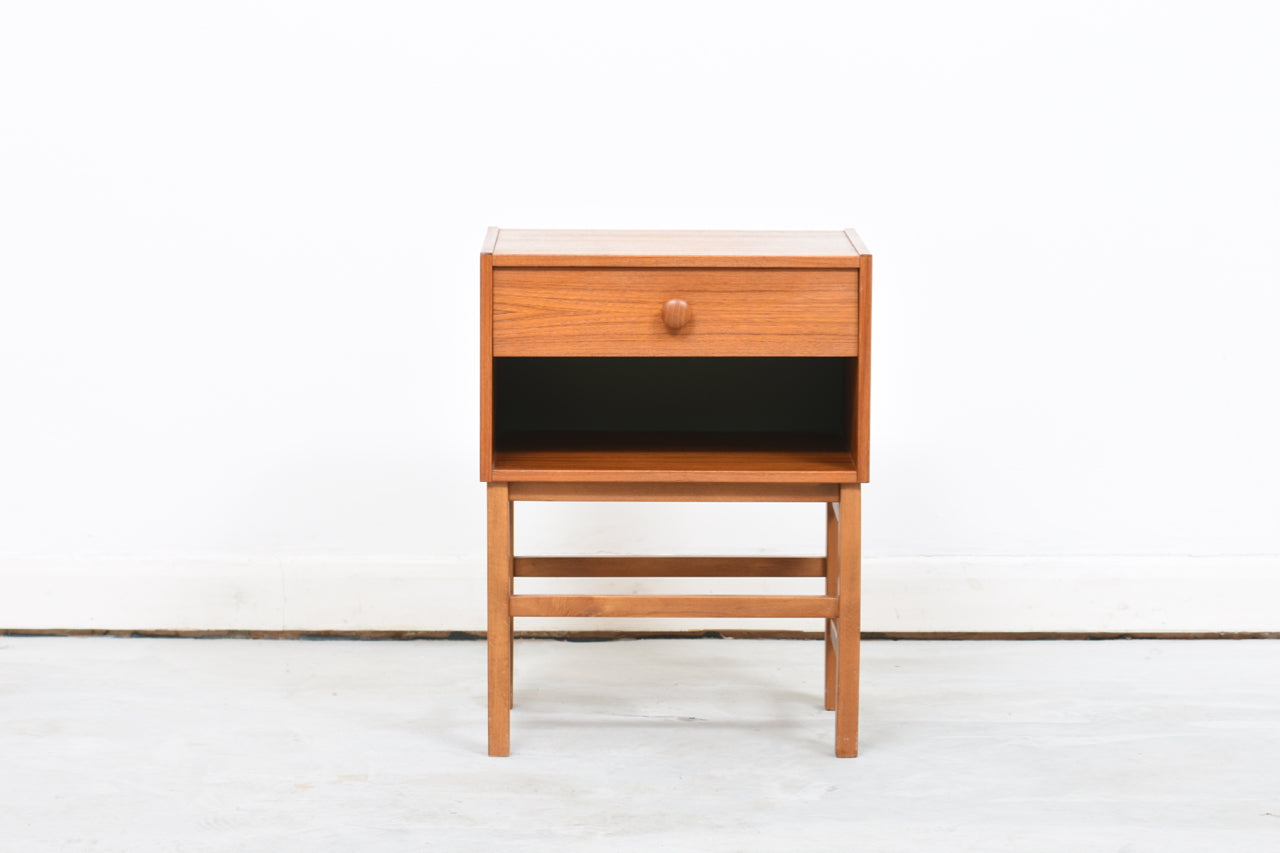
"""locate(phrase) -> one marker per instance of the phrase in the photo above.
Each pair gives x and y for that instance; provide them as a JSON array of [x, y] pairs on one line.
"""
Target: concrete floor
[[709, 745]]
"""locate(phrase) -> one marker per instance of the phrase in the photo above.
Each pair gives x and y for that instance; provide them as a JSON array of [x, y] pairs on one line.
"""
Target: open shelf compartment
[[672, 418]]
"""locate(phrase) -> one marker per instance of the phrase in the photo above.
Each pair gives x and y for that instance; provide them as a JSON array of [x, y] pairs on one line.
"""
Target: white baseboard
[[900, 594]]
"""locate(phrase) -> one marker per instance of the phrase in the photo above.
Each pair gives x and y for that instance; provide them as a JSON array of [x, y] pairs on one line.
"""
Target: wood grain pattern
[[511, 588], [807, 249], [676, 314], [717, 492], [500, 631], [486, 356], [676, 458], [602, 294], [677, 606], [693, 466], [670, 567], [849, 620], [602, 312], [862, 401]]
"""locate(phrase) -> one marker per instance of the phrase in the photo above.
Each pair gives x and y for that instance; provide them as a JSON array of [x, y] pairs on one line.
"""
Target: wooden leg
[[511, 622], [833, 569], [499, 633], [849, 620]]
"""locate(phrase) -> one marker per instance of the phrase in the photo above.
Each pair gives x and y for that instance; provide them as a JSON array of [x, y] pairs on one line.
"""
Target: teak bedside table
[[676, 366]]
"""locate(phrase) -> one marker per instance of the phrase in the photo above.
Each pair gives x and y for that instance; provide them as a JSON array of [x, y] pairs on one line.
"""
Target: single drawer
[[668, 312]]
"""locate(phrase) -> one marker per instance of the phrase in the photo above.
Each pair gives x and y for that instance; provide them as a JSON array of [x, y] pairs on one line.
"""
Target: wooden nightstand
[[676, 366]]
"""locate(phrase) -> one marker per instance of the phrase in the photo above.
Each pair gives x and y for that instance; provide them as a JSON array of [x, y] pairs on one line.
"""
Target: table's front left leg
[[849, 620], [500, 623]]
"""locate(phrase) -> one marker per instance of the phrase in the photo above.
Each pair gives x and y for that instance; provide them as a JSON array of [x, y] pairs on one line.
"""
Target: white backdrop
[[238, 326]]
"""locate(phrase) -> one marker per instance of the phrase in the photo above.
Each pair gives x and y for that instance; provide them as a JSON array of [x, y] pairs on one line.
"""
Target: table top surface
[[511, 247]]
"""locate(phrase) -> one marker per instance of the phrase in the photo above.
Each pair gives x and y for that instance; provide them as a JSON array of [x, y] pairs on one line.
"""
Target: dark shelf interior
[[670, 396]]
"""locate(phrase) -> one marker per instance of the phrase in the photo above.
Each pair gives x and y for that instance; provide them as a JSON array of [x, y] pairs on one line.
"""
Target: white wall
[[238, 262]]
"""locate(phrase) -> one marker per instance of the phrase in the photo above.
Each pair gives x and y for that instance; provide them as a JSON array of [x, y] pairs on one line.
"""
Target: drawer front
[[730, 312]]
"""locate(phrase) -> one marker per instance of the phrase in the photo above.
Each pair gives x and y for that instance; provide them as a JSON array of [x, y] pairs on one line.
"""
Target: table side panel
[[862, 392], [486, 360]]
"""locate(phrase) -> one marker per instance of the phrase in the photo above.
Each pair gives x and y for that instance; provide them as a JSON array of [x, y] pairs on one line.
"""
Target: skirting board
[[1098, 595]]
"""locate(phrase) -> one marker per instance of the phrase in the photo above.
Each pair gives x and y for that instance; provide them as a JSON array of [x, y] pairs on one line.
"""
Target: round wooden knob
[[676, 314]]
